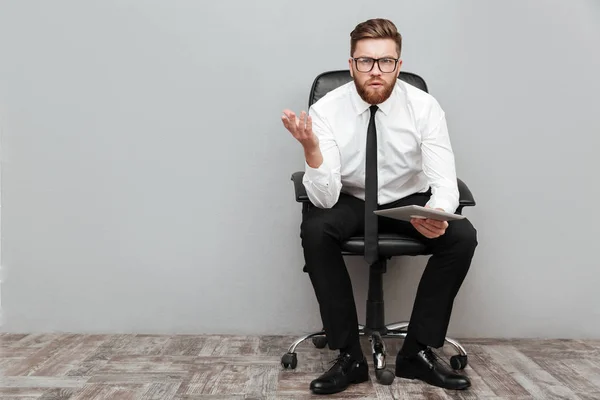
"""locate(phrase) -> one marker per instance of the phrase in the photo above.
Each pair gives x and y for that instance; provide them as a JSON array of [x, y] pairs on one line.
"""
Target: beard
[[372, 95]]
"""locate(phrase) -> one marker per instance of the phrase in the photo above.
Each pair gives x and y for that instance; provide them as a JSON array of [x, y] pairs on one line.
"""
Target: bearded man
[[412, 162]]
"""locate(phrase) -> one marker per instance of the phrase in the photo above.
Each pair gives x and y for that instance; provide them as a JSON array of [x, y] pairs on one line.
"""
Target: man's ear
[[398, 68], [350, 67]]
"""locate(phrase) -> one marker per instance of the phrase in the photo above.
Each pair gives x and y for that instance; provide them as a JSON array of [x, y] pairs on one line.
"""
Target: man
[[414, 164]]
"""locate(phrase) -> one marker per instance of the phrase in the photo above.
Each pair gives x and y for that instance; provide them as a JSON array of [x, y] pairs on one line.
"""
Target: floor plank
[[185, 367]]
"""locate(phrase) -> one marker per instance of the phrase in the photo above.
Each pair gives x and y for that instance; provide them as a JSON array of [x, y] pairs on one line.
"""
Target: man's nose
[[375, 71]]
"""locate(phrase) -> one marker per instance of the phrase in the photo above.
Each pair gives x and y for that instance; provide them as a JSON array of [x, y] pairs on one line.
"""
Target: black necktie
[[371, 236]]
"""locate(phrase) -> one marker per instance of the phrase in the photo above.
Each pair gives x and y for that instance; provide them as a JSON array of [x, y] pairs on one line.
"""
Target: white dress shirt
[[414, 150]]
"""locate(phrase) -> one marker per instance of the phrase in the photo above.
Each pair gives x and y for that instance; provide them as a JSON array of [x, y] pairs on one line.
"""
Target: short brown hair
[[377, 28]]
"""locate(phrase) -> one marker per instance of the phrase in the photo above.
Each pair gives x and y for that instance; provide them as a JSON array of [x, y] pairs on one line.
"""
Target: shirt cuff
[[443, 204], [317, 176]]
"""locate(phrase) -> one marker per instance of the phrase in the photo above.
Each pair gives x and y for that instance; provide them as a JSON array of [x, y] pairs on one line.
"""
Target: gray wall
[[145, 171]]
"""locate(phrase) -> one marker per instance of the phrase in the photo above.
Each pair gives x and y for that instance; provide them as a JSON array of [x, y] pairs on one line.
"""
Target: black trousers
[[323, 231]]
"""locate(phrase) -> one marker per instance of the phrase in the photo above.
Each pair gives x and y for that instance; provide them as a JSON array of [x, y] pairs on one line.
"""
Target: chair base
[[384, 375]]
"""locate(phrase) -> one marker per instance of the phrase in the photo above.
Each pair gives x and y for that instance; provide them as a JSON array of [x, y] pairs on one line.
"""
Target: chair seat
[[390, 245]]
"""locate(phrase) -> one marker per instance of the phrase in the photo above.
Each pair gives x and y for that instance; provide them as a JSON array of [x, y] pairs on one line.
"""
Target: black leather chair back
[[328, 81]]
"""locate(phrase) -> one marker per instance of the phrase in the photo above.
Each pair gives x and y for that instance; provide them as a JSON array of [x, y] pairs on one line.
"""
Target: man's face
[[375, 86]]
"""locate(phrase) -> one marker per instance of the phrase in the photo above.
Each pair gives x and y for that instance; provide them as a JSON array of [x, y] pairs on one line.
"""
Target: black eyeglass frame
[[376, 61]]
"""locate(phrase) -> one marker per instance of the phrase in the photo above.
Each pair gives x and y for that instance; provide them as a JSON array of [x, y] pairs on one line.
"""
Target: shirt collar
[[361, 106]]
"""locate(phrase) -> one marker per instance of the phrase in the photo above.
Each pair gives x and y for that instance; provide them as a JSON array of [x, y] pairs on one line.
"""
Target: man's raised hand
[[301, 129]]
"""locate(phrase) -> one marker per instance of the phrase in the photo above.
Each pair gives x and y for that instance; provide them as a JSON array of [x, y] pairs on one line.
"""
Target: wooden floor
[[63, 366]]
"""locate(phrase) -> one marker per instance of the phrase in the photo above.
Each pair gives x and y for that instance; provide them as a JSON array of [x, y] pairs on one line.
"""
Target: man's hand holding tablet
[[431, 223]]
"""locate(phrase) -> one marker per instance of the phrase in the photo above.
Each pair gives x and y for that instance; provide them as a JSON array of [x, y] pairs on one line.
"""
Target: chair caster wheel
[[384, 376], [320, 341], [458, 362], [289, 360]]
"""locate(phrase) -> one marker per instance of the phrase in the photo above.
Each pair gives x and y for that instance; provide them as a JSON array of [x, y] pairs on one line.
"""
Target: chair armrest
[[465, 196], [299, 188]]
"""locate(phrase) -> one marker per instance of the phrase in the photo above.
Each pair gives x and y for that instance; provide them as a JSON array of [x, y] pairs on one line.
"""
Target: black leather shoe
[[427, 366], [344, 372]]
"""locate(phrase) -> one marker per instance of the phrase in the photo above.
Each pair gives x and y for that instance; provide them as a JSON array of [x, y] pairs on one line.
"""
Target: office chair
[[390, 245]]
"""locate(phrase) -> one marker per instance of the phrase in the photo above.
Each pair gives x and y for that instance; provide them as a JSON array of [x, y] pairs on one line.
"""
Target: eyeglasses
[[366, 64]]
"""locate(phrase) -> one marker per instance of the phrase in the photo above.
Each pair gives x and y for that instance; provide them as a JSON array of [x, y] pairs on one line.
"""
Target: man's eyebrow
[[386, 56]]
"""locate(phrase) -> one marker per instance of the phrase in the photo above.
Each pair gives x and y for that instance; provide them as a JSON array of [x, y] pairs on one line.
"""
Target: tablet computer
[[406, 213]]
